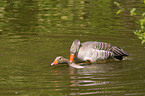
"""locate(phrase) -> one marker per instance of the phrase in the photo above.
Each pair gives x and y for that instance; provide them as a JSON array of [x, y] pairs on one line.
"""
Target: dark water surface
[[33, 33]]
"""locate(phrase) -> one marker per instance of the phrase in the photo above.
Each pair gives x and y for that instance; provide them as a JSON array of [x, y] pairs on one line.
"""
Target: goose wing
[[106, 47]]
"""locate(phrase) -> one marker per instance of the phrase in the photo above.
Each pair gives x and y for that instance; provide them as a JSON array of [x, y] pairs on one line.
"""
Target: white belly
[[93, 54]]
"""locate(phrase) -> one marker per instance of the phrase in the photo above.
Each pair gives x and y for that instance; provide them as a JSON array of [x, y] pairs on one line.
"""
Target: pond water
[[33, 33]]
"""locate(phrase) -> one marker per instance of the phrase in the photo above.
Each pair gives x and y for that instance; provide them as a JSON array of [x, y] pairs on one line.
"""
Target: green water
[[33, 33]]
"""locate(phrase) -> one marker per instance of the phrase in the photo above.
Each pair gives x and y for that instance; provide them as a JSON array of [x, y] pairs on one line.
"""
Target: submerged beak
[[72, 56], [55, 62]]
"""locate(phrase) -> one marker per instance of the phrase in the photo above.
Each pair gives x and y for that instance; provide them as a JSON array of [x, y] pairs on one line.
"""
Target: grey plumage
[[99, 50]]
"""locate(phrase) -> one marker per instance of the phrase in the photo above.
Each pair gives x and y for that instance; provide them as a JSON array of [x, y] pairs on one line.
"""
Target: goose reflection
[[92, 77]]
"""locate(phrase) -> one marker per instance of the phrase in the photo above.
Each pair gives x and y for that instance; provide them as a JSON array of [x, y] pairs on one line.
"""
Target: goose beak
[[72, 56], [55, 62]]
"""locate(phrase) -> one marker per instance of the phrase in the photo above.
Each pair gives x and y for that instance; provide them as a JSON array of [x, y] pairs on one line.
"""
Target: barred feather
[[118, 52], [97, 50]]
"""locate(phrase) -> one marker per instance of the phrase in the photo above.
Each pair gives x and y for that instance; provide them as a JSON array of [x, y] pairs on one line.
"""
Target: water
[[33, 33]]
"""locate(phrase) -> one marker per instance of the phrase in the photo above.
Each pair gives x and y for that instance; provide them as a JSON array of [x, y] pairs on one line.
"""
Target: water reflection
[[87, 82], [49, 27], [90, 80], [20, 17]]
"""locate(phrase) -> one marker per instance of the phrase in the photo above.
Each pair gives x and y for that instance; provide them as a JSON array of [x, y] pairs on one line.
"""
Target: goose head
[[74, 49], [60, 60]]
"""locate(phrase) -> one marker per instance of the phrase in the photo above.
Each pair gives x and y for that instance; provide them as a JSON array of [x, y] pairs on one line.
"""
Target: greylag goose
[[62, 60], [93, 51]]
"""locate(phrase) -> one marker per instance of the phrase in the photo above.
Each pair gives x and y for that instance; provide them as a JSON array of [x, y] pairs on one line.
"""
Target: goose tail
[[119, 53]]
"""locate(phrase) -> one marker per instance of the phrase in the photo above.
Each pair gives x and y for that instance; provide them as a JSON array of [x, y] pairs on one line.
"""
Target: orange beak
[[55, 62], [72, 56]]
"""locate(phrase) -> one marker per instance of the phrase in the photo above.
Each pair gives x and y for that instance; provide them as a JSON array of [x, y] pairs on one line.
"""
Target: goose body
[[93, 51]]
